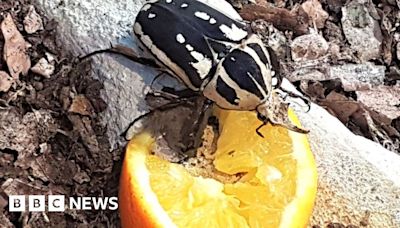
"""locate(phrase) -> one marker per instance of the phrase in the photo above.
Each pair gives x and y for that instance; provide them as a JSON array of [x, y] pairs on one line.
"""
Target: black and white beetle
[[214, 54]]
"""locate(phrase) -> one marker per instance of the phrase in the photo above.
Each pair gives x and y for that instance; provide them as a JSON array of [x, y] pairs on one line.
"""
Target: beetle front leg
[[306, 100]]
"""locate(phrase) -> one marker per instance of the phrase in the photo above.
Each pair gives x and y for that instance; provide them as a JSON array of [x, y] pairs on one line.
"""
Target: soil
[[71, 155], [55, 144]]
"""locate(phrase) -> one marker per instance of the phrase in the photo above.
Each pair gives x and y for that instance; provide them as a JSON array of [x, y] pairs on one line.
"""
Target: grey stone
[[358, 76], [362, 30], [356, 176], [309, 47]]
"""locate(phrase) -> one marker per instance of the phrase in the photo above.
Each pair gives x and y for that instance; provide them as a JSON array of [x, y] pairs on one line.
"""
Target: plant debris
[[32, 21], [5, 81], [15, 48], [51, 139]]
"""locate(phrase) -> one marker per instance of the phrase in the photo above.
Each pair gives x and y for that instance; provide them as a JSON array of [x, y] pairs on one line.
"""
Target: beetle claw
[[258, 129], [275, 111]]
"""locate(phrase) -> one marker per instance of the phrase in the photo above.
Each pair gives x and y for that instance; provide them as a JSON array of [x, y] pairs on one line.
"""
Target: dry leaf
[[342, 106], [283, 19], [6, 81], [44, 68], [314, 10], [32, 21], [15, 48], [81, 105], [313, 89]]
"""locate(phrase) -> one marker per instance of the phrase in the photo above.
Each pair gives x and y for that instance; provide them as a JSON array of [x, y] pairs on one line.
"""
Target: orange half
[[276, 187]]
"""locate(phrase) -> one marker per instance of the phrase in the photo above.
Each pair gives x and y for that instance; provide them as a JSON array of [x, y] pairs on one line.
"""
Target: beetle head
[[275, 111]]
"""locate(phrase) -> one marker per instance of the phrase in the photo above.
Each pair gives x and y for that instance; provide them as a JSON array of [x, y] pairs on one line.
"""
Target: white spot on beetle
[[180, 38], [212, 21], [202, 15], [137, 29], [184, 5], [274, 81], [233, 59], [234, 33], [203, 64], [146, 7], [168, 1], [189, 47], [151, 15], [272, 73]]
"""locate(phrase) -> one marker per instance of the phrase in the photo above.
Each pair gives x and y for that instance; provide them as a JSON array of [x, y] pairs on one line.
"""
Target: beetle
[[216, 55]]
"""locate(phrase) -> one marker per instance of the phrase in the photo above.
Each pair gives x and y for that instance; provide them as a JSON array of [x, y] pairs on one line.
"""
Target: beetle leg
[[290, 126], [280, 117], [306, 100], [275, 111], [130, 55]]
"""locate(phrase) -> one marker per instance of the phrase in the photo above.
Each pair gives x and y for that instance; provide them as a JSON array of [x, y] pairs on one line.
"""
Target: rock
[[356, 175], [358, 178], [362, 30], [32, 21], [357, 77], [309, 47], [43, 68], [354, 77], [382, 99]]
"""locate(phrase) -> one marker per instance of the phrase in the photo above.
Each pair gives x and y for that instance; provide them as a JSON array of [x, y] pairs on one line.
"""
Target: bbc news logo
[[58, 203]]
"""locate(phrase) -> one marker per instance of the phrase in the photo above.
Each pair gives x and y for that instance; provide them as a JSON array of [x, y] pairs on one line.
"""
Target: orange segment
[[277, 187]]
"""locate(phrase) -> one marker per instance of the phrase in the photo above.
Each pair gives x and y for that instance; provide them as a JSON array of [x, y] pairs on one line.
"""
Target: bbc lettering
[[57, 203]]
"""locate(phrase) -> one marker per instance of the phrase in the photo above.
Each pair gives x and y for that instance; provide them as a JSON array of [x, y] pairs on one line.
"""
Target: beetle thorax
[[243, 78]]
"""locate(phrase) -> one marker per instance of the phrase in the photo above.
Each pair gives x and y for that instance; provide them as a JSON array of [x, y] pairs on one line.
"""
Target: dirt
[[52, 141]]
